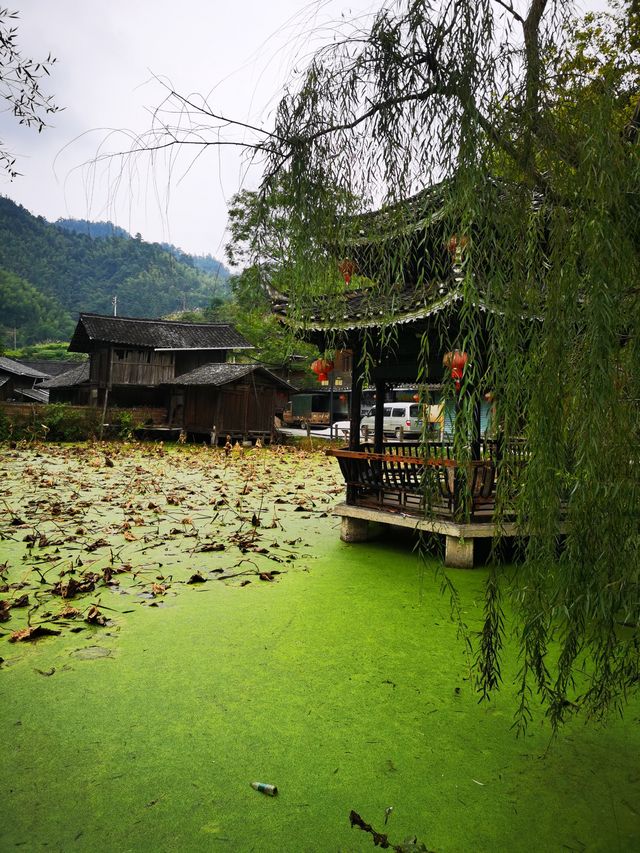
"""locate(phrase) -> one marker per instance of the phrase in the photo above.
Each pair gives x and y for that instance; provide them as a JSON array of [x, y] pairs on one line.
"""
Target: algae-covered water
[[341, 680]]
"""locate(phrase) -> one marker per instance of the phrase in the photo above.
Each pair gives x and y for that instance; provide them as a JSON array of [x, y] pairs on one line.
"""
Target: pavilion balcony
[[424, 487]]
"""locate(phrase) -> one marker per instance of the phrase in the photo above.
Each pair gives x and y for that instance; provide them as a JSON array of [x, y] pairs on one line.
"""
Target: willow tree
[[529, 123], [20, 86], [528, 120]]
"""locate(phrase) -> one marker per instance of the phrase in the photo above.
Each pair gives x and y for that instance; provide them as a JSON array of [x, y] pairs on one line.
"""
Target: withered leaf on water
[[68, 612], [47, 672], [73, 587], [26, 634], [16, 521], [21, 601], [196, 578], [94, 617], [245, 582], [99, 543], [158, 588], [265, 576], [211, 546], [5, 611]]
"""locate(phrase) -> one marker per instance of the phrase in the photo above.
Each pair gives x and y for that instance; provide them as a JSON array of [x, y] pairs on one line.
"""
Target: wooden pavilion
[[420, 485]]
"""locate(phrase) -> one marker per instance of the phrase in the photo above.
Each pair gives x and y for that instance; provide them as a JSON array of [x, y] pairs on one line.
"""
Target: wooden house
[[131, 360], [180, 370], [240, 400]]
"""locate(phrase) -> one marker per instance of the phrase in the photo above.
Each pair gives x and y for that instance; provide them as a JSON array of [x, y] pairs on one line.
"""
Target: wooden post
[[354, 414], [476, 438], [378, 440], [106, 391], [356, 397], [104, 412]]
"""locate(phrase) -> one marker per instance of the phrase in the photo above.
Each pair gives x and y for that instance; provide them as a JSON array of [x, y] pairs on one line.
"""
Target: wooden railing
[[401, 479]]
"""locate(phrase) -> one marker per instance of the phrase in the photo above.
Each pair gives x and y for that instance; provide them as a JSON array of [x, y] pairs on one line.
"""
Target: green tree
[[27, 315], [260, 245]]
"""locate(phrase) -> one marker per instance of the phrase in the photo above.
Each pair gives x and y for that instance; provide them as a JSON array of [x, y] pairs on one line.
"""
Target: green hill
[[51, 272]]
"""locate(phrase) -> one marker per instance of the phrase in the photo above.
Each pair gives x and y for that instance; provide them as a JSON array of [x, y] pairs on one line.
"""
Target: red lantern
[[347, 269], [321, 366], [416, 398], [457, 243], [342, 398], [458, 363]]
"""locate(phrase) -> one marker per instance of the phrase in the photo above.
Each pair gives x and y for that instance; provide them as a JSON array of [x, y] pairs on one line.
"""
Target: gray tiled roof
[[38, 395], [8, 365], [224, 373], [154, 334], [75, 376], [50, 367]]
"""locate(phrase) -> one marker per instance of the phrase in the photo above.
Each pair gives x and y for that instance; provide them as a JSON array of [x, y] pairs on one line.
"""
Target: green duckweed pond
[[233, 638]]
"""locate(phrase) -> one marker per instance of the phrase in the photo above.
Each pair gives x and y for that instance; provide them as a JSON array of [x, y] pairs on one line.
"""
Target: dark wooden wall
[[240, 408], [126, 366], [189, 359]]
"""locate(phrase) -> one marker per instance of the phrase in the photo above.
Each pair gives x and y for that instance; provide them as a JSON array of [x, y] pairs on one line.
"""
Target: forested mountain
[[51, 272], [103, 230], [96, 230]]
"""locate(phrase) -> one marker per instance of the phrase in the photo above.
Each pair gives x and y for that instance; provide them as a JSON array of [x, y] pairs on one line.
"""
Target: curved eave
[[375, 321], [371, 321]]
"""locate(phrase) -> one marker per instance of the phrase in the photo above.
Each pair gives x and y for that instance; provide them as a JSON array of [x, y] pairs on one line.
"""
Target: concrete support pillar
[[354, 529], [458, 552]]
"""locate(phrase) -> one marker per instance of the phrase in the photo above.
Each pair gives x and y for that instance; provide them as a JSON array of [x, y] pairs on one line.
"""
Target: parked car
[[399, 419]]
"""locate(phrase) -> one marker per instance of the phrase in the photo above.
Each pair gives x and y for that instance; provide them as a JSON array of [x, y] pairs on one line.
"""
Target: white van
[[399, 419]]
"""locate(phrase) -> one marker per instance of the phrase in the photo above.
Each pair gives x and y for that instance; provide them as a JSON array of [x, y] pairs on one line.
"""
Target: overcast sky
[[240, 53]]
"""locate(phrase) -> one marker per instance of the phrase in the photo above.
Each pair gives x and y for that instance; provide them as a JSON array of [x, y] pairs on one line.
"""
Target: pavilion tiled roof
[[361, 309], [154, 334], [419, 229]]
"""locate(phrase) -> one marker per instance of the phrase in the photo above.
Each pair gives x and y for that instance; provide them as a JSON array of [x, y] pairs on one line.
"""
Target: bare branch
[[511, 10]]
